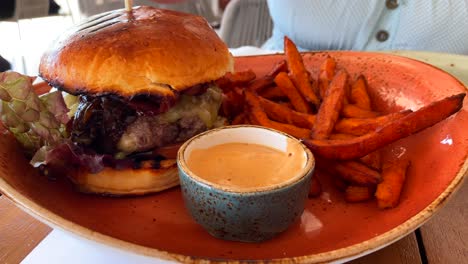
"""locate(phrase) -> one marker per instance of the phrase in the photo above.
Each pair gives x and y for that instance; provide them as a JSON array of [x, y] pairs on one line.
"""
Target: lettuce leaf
[[35, 121], [65, 156]]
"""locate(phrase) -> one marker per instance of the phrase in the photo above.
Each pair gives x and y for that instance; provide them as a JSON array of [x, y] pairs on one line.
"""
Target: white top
[[432, 25]]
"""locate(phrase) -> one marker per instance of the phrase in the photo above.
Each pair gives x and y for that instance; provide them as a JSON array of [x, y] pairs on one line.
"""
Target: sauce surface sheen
[[245, 165]]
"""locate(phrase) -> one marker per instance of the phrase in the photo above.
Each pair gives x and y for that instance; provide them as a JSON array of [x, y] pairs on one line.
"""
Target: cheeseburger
[[145, 83]]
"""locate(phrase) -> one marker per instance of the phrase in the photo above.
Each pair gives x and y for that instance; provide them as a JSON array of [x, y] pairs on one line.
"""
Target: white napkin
[[251, 50], [60, 247]]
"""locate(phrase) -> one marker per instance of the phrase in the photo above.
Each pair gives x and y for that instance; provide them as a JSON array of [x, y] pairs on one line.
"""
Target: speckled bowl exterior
[[251, 216], [248, 217]]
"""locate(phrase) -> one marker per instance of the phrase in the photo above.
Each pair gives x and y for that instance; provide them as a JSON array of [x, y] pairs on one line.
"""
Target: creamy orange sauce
[[244, 165]]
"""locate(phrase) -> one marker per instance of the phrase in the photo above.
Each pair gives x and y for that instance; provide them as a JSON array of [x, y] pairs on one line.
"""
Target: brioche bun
[[128, 181], [146, 51]]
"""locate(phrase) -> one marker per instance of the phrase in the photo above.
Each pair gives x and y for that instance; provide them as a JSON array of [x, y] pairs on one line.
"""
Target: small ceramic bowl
[[250, 215]]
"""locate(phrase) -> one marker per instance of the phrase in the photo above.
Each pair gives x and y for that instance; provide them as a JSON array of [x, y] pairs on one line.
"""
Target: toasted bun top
[[146, 51]]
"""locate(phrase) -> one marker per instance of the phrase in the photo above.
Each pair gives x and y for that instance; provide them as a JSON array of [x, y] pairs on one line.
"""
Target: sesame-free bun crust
[[146, 51], [128, 181]]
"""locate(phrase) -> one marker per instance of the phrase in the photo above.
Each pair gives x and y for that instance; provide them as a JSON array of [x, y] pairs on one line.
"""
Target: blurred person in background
[[7, 12], [7, 8], [4, 65], [431, 25]]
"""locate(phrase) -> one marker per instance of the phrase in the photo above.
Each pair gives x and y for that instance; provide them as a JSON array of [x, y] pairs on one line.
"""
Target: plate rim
[[345, 253]]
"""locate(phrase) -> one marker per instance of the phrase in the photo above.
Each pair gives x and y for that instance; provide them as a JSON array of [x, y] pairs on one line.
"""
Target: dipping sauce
[[245, 166]]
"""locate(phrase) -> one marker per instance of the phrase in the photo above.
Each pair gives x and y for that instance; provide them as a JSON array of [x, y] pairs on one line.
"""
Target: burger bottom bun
[[128, 181]]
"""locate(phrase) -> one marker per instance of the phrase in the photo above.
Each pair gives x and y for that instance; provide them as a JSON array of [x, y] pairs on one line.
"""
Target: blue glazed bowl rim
[[181, 163]]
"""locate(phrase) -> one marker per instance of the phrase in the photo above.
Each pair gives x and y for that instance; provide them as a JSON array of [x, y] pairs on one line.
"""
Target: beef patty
[[147, 132]]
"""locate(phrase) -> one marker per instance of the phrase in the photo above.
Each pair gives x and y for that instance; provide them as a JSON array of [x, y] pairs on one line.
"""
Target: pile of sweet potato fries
[[334, 117]]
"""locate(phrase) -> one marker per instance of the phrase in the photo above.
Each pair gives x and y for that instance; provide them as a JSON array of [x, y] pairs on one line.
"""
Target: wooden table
[[443, 239]]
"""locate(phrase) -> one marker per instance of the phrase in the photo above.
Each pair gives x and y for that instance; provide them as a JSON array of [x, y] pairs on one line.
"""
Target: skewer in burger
[[145, 84]]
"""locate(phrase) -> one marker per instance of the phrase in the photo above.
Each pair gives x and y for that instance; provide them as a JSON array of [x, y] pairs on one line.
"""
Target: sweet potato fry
[[323, 87], [286, 128], [346, 136], [362, 126], [339, 183], [231, 80], [289, 129], [414, 122], [315, 187], [280, 66], [272, 92], [239, 119], [351, 110], [287, 87], [356, 194], [327, 68], [357, 173], [359, 95], [389, 190], [41, 87], [254, 109], [283, 114], [268, 80], [299, 75], [233, 102], [261, 83], [340, 136], [258, 116], [286, 104], [373, 160], [326, 73], [330, 108], [326, 168]]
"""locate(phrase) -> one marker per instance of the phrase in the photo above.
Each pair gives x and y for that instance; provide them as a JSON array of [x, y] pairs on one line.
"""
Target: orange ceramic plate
[[330, 229]]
